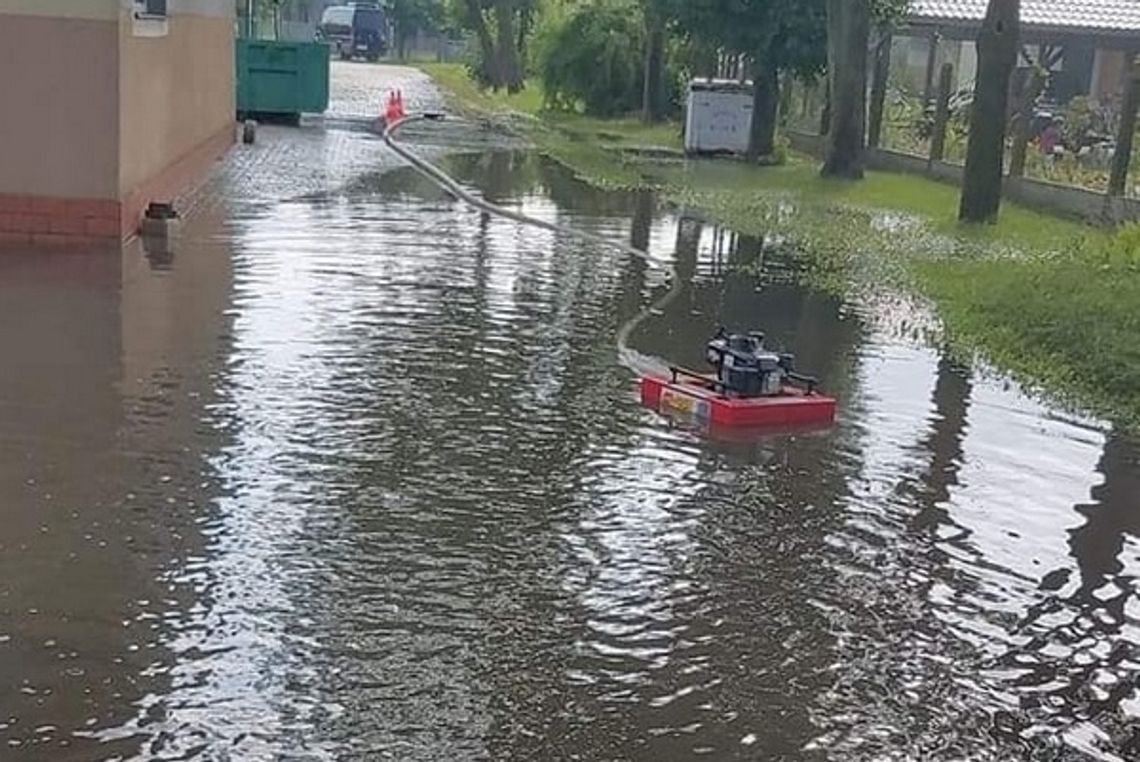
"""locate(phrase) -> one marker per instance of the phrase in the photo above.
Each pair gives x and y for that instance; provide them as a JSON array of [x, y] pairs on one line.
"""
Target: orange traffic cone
[[393, 114]]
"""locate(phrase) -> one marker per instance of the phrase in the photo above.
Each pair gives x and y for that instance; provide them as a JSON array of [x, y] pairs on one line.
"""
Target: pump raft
[[695, 396], [752, 387]]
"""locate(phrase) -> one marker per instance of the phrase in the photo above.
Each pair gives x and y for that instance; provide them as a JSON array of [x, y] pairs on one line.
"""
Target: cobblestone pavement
[[329, 154], [325, 153]]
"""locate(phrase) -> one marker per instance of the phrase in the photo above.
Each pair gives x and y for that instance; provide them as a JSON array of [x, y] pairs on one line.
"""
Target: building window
[[150, 9], [151, 18]]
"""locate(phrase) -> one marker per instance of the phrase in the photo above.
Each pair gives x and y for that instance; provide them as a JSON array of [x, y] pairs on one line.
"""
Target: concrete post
[[1122, 156], [881, 76], [1034, 84], [931, 62]]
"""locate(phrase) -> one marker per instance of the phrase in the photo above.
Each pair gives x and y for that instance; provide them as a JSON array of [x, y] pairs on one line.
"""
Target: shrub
[[1122, 250], [591, 58]]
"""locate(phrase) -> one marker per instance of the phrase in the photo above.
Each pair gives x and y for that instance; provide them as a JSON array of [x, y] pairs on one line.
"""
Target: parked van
[[355, 29]]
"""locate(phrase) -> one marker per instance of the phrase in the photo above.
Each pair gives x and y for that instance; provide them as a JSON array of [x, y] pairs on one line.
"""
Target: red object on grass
[[692, 396]]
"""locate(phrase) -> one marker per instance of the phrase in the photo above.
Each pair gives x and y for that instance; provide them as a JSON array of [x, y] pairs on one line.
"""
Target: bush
[[476, 65], [1122, 250], [591, 58]]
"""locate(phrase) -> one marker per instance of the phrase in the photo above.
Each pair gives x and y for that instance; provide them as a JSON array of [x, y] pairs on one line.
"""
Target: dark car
[[357, 29]]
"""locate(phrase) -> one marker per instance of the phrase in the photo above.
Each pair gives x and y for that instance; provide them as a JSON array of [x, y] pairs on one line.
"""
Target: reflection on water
[[355, 474]]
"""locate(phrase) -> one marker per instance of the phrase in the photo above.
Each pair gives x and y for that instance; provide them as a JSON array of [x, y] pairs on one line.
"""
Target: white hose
[[629, 357]]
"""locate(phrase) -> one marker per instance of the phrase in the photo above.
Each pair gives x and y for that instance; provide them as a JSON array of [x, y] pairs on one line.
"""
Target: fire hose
[[629, 357]]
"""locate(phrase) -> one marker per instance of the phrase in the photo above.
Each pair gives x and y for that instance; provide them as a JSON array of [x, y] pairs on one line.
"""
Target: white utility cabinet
[[718, 116]]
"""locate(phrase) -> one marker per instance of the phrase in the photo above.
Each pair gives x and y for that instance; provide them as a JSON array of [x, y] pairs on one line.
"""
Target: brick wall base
[[76, 222], [176, 178], [46, 221]]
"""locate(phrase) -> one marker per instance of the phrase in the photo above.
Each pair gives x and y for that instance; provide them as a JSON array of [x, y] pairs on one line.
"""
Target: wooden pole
[[879, 88], [1023, 127], [941, 114], [931, 62], [1122, 156]]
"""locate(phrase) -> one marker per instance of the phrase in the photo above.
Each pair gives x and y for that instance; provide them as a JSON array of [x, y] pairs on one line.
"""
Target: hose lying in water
[[631, 358]]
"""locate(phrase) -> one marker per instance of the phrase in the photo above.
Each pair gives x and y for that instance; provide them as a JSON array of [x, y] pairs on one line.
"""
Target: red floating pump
[[752, 387]]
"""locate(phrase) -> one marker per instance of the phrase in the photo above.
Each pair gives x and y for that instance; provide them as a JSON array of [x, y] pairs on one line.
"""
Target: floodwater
[[354, 473]]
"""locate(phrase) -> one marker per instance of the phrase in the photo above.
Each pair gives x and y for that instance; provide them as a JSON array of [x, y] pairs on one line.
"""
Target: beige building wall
[[103, 111], [59, 98], [176, 91]]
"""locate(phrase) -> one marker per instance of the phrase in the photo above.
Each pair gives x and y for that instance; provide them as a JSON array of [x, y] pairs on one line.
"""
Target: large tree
[[410, 15], [997, 55], [655, 93], [848, 36], [849, 25], [496, 25]]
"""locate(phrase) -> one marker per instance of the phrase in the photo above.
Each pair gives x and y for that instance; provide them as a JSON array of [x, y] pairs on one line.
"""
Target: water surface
[[355, 473]]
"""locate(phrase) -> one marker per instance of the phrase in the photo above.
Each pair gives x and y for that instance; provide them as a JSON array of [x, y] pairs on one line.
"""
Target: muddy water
[[354, 473]]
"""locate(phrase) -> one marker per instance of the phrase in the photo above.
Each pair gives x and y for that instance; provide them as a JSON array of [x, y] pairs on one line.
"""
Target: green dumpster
[[282, 79]]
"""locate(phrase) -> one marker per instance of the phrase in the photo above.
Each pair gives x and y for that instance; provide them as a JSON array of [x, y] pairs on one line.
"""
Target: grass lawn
[[469, 98]]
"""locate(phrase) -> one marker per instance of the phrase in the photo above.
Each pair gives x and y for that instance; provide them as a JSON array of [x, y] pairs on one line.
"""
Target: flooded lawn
[[356, 473]]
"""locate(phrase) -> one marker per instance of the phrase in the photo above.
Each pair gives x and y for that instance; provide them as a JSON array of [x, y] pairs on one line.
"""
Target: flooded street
[[355, 473]]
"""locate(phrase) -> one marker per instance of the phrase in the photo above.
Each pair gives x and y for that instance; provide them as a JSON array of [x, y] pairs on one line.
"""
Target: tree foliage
[[781, 37], [591, 57], [788, 35], [501, 29], [888, 12], [407, 16]]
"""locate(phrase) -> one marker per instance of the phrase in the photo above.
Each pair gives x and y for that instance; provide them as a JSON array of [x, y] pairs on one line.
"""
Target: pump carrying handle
[[678, 372], [809, 383]]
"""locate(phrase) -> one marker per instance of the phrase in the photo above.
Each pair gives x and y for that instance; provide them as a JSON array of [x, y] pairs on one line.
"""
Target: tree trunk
[[787, 98], [526, 19], [1023, 131], [848, 32], [1122, 156], [765, 111], [997, 55], [653, 93], [491, 72], [402, 42], [879, 88], [510, 71], [705, 61], [825, 110]]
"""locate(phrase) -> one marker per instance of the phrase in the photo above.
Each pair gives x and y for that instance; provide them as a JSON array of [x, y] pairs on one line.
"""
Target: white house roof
[[1105, 16]]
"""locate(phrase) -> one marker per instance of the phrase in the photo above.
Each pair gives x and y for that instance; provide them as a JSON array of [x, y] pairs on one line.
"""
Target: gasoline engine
[[746, 368]]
